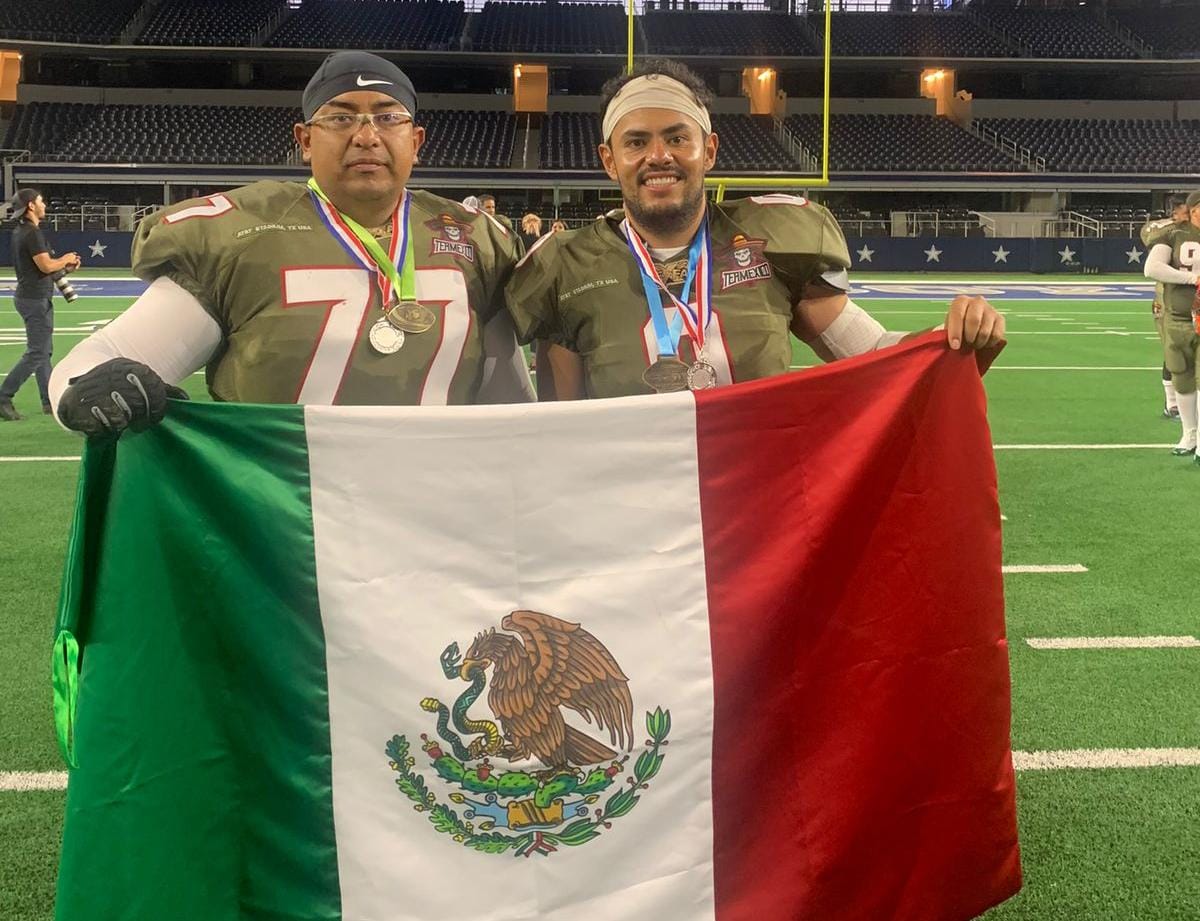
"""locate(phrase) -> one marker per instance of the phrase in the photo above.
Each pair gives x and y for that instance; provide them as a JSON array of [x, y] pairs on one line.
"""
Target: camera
[[65, 288]]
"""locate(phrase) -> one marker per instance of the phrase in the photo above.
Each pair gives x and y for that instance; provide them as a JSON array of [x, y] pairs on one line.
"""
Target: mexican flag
[[734, 655]]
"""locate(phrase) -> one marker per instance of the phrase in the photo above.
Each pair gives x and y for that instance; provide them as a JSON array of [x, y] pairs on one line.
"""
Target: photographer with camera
[[37, 274]]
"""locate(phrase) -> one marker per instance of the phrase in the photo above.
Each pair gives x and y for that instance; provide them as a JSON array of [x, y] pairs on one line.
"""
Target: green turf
[[1097, 844], [29, 830]]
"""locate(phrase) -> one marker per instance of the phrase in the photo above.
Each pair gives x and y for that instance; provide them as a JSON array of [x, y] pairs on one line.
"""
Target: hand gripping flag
[[734, 655]]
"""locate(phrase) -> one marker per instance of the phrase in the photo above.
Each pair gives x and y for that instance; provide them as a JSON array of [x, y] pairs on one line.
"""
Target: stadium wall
[[1008, 255]]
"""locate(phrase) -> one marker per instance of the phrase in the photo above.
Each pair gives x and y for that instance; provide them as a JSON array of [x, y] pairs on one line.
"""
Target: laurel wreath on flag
[[447, 821]]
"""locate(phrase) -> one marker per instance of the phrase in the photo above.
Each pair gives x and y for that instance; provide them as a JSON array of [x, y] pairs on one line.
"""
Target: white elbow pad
[[855, 332]]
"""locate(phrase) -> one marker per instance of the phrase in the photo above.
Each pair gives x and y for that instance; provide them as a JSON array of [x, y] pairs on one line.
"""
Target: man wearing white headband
[[345, 289], [670, 294]]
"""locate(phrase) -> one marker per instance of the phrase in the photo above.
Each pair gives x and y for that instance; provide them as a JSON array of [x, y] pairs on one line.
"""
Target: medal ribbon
[[695, 321], [394, 270]]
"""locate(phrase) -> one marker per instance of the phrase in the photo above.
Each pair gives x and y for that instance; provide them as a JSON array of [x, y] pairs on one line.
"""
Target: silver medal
[[385, 338], [701, 375]]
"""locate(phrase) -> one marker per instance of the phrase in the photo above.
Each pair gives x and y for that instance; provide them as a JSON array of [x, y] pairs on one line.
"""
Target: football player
[[1175, 261], [673, 293], [1152, 232], [347, 289]]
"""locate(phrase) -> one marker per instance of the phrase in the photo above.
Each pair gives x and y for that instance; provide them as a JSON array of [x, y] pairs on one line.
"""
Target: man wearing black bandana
[[348, 289]]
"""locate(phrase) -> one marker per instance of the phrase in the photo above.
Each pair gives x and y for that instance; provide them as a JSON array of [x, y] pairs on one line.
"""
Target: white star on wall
[[933, 254], [1135, 256], [1001, 255], [98, 249], [1066, 254], [865, 254]]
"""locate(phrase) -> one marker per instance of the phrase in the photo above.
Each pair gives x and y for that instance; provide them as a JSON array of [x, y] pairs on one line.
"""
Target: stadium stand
[[910, 35], [89, 21], [569, 141], [899, 143], [1170, 31], [1058, 33], [747, 143], [1106, 145], [705, 32], [586, 28], [84, 132], [475, 139], [430, 25], [209, 22]]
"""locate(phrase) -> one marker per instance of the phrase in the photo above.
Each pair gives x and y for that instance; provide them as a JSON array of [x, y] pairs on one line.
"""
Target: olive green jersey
[[295, 307], [582, 290], [1184, 240], [1153, 232]]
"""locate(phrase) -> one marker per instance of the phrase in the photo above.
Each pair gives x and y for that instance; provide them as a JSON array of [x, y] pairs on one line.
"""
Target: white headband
[[654, 91]]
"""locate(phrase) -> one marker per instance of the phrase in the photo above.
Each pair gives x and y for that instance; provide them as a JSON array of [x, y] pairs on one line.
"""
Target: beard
[[666, 219]]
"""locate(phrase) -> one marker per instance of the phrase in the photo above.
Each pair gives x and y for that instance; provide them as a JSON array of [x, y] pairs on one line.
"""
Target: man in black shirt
[[35, 287]]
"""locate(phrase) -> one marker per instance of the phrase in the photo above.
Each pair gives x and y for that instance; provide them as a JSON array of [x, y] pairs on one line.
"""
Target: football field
[[1101, 586]]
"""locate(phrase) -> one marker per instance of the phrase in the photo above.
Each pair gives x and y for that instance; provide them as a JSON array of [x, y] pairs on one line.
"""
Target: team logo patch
[[527, 782], [451, 237], [742, 263]]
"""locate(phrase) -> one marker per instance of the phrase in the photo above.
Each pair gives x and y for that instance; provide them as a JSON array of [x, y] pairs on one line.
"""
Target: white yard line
[[1063, 760], [1099, 758], [27, 781], [1113, 642], [1044, 568], [1075, 368], [26, 460], [1130, 447]]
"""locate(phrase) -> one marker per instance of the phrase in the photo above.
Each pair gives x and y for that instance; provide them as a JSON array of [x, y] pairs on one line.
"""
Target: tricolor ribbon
[[394, 269], [694, 319]]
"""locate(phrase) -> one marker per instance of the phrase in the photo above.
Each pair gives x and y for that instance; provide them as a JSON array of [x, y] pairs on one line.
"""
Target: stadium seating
[[584, 28], [1105, 145], [1058, 33], [90, 21], [373, 24], [899, 143], [569, 141], [209, 22], [1171, 32], [703, 32], [910, 35], [472, 139], [85, 132], [748, 143]]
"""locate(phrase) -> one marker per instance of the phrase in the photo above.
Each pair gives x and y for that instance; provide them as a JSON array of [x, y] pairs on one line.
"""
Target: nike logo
[[362, 82]]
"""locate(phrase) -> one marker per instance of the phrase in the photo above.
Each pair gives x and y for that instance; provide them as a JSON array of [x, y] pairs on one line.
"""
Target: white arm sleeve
[[165, 329], [1158, 266], [505, 374], [854, 331]]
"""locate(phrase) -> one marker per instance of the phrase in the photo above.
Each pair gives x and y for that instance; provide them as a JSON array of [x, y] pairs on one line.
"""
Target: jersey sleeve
[[804, 243], [503, 254], [532, 294], [189, 243], [37, 243], [1156, 231]]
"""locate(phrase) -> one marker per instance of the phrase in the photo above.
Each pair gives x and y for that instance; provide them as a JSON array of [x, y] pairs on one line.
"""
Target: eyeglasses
[[345, 122]]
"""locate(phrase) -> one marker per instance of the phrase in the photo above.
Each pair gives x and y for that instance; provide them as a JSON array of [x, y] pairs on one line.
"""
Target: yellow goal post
[[721, 183]]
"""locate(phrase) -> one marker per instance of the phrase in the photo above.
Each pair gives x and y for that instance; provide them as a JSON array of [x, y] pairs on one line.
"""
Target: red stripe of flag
[[861, 757]]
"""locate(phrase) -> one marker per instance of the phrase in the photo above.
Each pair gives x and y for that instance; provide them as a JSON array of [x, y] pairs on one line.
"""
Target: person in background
[[33, 298], [531, 229], [558, 226], [1154, 232]]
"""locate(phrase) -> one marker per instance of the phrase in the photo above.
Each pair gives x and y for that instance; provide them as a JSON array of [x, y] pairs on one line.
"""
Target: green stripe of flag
[[164, 593]]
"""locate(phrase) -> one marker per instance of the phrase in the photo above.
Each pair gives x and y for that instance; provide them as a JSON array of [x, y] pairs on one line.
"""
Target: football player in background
[[1175, 261], [347, 289], [1153, 232], [675, 293]]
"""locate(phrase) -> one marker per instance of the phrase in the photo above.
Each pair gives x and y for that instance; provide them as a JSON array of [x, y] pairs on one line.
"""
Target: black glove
[[116, 395]]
